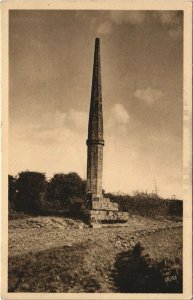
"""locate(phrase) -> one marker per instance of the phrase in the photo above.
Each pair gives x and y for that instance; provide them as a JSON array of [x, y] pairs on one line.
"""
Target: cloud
[[120, 114], [58, 120], [116, 120], [148, 95], [173, 21], [105, 28], [120, 17], [77, 120], [42, 145], [175, 33], [55, 144], [169, 17], [52, 126], [52, 120], [131, 17]]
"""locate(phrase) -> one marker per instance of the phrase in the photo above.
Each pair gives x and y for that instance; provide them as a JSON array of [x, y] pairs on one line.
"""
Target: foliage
[[150, 205], [30, 189], [63, 188], [29, 192], [11, 192], [136, 272]]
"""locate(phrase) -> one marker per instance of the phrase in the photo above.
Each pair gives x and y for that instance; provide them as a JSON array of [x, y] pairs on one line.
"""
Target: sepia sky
[[50, 64]]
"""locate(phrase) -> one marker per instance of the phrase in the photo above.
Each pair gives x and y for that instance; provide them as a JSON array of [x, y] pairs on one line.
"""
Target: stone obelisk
[[97, 208], [95, 140]]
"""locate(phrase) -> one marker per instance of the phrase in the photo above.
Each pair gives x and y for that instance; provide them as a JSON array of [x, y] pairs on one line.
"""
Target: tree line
[[31, 192], [148, 205]]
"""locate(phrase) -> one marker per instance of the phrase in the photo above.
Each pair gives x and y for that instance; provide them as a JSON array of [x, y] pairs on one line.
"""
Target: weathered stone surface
[[96, 226], [95, 140], [97, 208], [106, 216], [104, 204]]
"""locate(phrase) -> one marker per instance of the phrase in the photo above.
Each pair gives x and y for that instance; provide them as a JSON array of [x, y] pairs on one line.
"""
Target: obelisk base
[[104, 213]]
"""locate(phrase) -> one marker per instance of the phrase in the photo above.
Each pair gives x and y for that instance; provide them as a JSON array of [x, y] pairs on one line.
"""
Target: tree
[[11, 192], [31, 187], [62, 188]]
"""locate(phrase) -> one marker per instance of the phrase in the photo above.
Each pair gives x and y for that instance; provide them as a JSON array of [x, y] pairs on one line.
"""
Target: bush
[[149, 205], [30, 190], [64, 188], [11, 193]]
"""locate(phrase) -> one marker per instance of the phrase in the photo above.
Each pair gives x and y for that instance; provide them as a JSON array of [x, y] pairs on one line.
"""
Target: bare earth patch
[[55, 254]]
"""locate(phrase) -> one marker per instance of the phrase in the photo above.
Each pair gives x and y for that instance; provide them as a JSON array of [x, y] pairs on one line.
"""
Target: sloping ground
[[40, 233], [49, 254], [61, 269]]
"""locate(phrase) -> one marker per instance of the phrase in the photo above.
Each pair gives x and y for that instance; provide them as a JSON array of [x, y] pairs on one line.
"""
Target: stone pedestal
[[104, 204], [103, 211]]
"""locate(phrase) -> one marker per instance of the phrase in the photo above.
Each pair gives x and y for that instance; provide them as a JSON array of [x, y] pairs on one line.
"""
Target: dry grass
[[50, 254]]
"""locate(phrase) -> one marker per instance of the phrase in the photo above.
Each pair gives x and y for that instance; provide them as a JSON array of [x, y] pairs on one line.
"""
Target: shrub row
[[148, 205], [31, 192]]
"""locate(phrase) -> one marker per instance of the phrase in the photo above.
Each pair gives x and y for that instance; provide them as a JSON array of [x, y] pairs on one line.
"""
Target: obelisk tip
[[97, 40]]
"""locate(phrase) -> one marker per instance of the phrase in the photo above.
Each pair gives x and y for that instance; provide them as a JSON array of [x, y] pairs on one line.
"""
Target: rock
[[118, 243], [25, 286], [53, 284], [132, 243]]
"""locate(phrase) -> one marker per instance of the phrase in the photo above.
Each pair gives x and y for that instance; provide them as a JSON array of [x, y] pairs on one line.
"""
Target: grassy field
[[55, 254]]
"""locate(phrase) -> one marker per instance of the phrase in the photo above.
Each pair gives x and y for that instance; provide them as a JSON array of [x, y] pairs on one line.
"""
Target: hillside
[[55, 254]]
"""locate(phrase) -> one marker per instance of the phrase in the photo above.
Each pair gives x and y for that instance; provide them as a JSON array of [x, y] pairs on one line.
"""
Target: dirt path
[[40, 233], [60, 257]]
